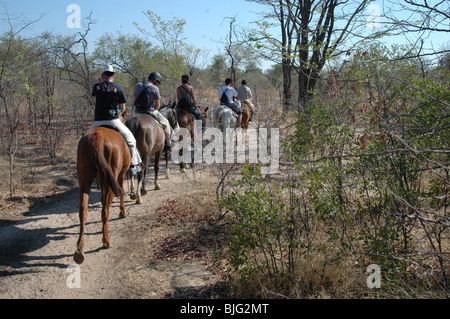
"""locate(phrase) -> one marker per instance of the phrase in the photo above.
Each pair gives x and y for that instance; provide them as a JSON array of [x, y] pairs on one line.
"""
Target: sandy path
[[37, 246]]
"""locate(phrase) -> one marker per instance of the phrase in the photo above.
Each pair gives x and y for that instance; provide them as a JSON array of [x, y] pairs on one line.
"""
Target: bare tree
[[229, 49], [279, 50], [16, 59], [419, 16], [74, 63], [311, 33]]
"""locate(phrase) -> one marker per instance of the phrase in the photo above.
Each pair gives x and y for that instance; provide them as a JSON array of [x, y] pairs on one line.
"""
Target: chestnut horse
[[150, 139], [103, 155], [246, 114], [185, 121]]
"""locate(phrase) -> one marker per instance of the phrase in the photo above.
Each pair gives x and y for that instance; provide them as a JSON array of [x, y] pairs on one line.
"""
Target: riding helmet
[[155, 76]]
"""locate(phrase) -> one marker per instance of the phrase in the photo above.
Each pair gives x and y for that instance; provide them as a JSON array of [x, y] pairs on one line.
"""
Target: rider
[[244, 95], [226, 96], [153, 103], [109, 103], [186, 99]]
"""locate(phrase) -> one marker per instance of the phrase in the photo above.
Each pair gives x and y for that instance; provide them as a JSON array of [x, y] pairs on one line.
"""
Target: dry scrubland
[[294, 234], [364, 150]]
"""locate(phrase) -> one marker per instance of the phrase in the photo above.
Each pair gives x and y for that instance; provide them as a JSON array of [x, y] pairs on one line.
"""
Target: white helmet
[[108, 68]]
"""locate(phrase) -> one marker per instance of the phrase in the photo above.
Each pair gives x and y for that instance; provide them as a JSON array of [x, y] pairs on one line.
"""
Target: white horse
[[224, 118]]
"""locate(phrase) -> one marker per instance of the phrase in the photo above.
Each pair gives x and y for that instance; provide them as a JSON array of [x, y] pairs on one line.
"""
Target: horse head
[[168, 111], [203, 111]]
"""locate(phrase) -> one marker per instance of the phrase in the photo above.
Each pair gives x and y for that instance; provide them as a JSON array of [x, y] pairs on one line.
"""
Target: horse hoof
[[78, 257], [143, 191], [139, 201], [133, 196], [107, 245], [157, 187], [123, 215], [182, 170]]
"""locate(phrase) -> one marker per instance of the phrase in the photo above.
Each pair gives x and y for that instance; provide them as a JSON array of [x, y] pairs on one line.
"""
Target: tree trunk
[[287, 81]]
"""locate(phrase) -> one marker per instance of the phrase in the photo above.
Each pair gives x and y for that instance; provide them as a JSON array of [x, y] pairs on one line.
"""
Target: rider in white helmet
[[109, 103]]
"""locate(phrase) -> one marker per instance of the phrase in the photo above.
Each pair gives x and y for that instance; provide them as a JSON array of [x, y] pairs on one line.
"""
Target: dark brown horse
[[246, 114], [150, 139], [103, 155], [185, 121]]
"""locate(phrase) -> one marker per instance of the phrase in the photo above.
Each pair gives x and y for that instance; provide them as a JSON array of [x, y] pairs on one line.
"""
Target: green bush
[[260, 228]]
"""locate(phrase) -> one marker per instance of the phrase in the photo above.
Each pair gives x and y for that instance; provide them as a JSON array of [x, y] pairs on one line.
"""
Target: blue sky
[[205, 27]]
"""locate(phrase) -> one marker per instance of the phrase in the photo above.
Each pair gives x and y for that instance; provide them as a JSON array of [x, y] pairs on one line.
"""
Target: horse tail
[[103, 167]]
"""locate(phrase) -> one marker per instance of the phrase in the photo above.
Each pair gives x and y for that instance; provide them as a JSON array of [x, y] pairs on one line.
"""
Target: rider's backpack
[[224, 97], [184, 103], [141, 102]]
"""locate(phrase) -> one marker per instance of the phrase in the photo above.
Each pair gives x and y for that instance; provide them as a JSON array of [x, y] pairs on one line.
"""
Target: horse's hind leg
[[183, 165], [84, 198], [192, 157], [142, 185], [139, 187], [157, 160], [132, 192], [167, 154], [141, 180], [107, 198], [123, 212]]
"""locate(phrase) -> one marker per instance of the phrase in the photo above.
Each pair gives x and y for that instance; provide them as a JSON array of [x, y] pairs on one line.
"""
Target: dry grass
[[35, 180], [171, 254]]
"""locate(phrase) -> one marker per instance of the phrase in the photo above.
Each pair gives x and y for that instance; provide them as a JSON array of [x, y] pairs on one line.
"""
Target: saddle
[[180, 109], [233, 112], [113, 128], [153, 115], [109, 126]]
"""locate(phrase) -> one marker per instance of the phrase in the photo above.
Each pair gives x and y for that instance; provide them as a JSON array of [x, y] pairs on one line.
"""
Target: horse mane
[[163, 107], [169, 112], [133, 124]]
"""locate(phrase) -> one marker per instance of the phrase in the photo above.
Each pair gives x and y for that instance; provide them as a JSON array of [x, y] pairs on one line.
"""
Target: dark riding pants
[[196, 112]]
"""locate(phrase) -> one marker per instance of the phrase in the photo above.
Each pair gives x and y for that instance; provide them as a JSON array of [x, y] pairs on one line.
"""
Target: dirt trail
[[36, 249]]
